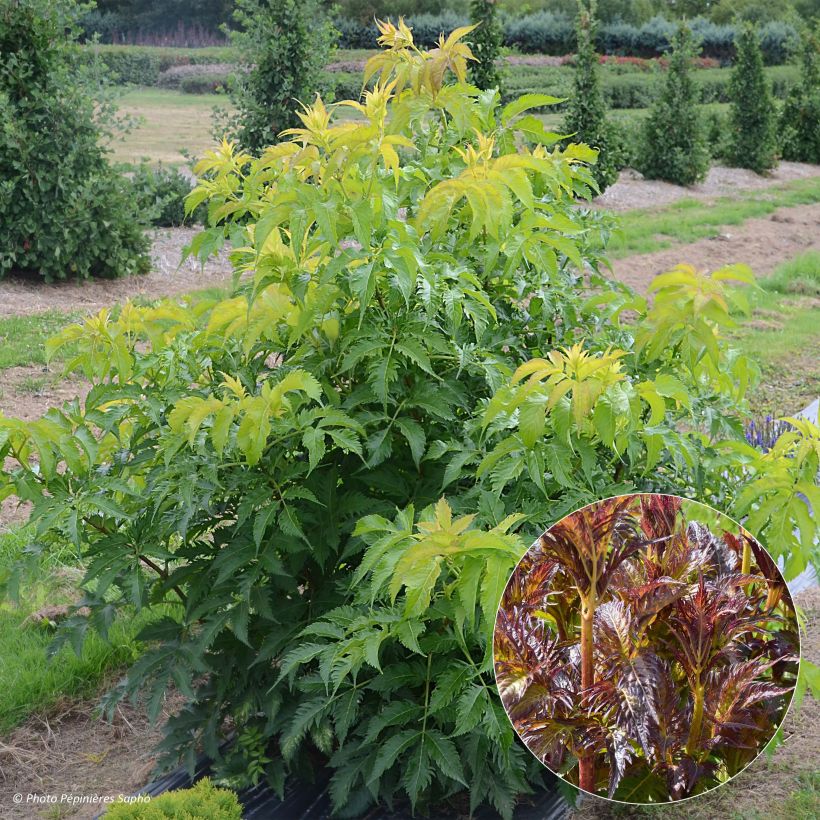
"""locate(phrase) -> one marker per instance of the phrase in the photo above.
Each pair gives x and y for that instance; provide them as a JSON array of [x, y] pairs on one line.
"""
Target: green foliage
[[283, 47], [160, 193], [201, 801], [674, 143], [799, 132], [64, 212], [486, 43], [751, 142], [586, 117], [272, 464]]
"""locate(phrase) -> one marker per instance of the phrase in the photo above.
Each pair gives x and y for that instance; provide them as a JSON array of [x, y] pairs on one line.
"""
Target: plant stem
[[693, 741], [586, 764], [746, 562]]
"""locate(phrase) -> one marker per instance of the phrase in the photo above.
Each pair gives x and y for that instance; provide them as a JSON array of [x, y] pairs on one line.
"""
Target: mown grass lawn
[[782, 337], [30, 682], [23, 338], [172, 122]]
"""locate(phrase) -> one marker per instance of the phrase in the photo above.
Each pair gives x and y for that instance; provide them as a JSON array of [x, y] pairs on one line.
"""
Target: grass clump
[[799, 275]]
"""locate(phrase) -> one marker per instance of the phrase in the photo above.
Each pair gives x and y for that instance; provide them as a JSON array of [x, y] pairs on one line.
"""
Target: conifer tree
[[586, 116], [485, 42], [752, 142], [674, 146]]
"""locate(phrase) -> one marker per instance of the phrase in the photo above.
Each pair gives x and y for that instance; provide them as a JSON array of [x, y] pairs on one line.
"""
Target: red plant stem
[[586, 764]]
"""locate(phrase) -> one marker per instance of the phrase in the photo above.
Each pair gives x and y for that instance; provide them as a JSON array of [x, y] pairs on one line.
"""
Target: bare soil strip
[[761, 243], [23, 296]]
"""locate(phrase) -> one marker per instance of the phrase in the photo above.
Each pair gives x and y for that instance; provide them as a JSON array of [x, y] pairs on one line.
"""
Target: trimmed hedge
[[143, 65], [638, 89], [547, 33]]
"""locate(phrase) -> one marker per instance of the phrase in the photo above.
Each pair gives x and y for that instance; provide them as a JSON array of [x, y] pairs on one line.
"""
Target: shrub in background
[[800, 118], [64, 211], [160, 193], [283, 46], [275, 462], [586, 115], [485, 42], [717, 131], [674, 146], [751, 140], [201, 802]]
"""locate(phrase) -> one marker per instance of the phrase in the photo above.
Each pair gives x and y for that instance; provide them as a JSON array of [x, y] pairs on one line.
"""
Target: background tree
[[800, 119], [64, 211], [586, 116], [486, 42], [674, 146], [752, 142], [284, 46]]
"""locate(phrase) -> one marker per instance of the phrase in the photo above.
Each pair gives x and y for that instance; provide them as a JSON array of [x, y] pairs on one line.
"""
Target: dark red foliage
[[693, 659]]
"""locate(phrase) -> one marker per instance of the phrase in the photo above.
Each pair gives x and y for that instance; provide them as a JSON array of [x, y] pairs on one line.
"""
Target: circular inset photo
[[646, 648]]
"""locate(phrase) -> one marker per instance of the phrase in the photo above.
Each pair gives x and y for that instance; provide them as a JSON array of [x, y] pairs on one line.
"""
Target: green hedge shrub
[[208, 83], [752, 142], [799, 123], [284, 48], [201, 802], [639, 89], [418, 312], [674, 145], [143, 65], [160, 193], [545, 32], [586, 116], [486, 42], [64, 211], [173, 77]]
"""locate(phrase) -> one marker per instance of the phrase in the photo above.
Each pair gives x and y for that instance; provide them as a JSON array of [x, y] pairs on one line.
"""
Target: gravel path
[[633, 191], [23, 296]]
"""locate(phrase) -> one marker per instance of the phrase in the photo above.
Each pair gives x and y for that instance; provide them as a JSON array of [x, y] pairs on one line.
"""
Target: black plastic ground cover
[[311, 801]]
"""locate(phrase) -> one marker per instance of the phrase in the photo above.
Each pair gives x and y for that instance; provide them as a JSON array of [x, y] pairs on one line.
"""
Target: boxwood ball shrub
[[329, 475], [64, 211]]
